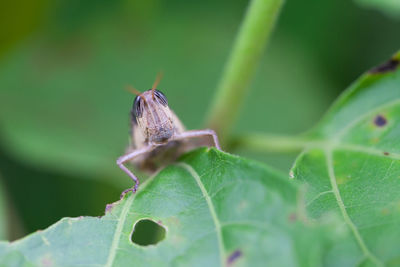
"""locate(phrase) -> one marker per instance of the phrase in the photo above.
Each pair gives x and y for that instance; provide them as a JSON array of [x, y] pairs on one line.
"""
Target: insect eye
[[161, 98], [137, 107]]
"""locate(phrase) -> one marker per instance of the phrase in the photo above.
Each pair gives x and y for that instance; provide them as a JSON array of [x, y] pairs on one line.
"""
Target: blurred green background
[[64, 113]]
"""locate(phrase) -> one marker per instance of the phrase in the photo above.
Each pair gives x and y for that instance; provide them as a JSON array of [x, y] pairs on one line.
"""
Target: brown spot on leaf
[[390, 65], [386, 153], [109, 207], [374, 140], [380, 121], [233, 257], [292, 217], [385, 211], [47, 261], [341, 180]]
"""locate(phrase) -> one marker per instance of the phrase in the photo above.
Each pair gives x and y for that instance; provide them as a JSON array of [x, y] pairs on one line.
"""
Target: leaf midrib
[[328, 146], [335, 142], [210, 205], [346, 217], [121, 223], [118, 232]]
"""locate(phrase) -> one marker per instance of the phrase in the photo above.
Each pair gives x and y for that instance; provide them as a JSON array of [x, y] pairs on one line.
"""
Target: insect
[[158, 136]]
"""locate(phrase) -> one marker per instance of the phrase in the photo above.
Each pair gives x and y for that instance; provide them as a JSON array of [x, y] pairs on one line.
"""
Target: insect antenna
[[156, 82], [133, 90]]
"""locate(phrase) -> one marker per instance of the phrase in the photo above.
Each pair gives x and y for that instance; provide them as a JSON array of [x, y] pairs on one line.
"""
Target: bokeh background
[[64, 113]]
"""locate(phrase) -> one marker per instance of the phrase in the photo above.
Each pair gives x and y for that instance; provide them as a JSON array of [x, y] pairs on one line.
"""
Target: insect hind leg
[[199, 133]]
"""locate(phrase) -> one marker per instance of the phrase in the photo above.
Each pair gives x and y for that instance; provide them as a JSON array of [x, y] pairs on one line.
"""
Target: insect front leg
[[199, 133], [121, 160]]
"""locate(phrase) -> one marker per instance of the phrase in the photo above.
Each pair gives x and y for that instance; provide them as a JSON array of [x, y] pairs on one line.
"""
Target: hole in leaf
[[147, 232]]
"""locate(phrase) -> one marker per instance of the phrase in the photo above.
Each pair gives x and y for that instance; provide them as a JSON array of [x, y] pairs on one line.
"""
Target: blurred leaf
[[281, 105], [353, 168], [216, 209], [19, 19], [3, 212], [31, 190], [389, 7], [63, 104]]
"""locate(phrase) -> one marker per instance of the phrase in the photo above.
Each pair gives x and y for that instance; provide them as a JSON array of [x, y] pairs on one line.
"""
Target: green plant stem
[[244, 58], [272, 143]]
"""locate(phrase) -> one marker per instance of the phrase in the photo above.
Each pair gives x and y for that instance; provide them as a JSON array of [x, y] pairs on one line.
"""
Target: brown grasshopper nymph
[[158, 136]]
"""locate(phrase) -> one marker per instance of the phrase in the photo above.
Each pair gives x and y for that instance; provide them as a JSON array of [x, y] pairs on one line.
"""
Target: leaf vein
[[214, 216], [346, 217], [368, 150], [122, 218], [318, 196], [118, 232], [346, 128]]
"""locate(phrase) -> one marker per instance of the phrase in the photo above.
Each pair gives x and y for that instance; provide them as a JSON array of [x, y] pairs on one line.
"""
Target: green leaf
[[214, 207], [389, 7], [353, 168]]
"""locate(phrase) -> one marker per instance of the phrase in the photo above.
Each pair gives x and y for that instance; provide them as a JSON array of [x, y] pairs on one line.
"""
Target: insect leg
[[197, 133], [125, 158]]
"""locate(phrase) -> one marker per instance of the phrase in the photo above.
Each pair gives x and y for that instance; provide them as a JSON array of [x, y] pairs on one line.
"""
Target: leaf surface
[[353, 168], [217, 210]]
